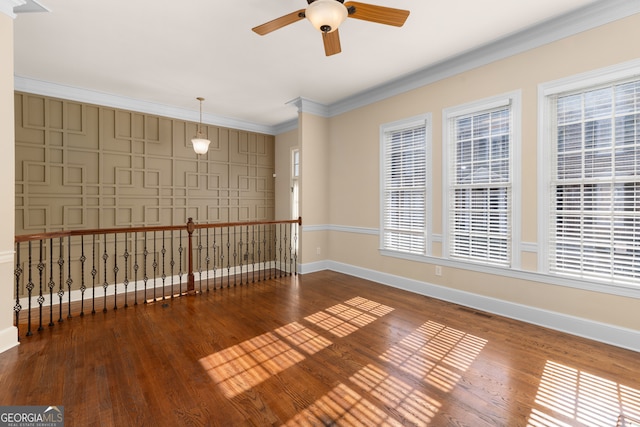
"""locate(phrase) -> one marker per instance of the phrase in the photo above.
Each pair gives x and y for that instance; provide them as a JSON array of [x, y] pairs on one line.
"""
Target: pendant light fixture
[[200, 143]]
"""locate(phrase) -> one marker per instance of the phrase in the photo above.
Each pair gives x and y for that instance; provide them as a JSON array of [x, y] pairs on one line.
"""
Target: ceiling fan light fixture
[[200, 143], [326, 15]]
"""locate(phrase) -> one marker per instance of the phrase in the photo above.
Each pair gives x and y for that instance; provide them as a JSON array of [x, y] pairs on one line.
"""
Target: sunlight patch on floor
[[342, 406], [435, 353], [566, 395], [409, 402], [345, 318], [239, 368], [303, 338]]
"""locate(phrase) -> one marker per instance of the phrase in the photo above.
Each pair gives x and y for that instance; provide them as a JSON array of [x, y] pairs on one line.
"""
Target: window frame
[[547, 123], [396, 126], [449, 115]]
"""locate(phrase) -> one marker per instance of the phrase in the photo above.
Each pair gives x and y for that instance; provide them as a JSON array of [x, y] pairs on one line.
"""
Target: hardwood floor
[[317, 350]]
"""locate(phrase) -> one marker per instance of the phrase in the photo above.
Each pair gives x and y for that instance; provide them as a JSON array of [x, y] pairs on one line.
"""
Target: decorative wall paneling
[[84, 166]]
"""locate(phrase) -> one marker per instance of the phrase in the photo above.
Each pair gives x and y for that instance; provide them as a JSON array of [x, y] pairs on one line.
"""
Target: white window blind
[[480, 185], [405, 189], [595, 190]]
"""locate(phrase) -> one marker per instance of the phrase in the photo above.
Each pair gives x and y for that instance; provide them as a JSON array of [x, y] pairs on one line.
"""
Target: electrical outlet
[[318, 250], [438, 270]]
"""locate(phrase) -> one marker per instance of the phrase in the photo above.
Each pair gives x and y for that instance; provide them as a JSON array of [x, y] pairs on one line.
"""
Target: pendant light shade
[[326, 15], [200, 143]]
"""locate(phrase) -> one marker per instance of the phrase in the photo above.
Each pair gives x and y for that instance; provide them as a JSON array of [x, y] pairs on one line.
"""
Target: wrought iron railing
[[74, 272]]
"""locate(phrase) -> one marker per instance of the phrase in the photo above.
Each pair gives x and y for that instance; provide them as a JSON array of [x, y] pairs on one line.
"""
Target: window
[[480, 143], [593, 197], [405, 185]]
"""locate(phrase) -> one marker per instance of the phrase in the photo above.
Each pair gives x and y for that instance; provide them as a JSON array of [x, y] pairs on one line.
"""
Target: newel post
[[191, 283]]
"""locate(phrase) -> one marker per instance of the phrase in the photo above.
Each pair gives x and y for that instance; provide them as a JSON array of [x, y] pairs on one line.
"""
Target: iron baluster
[[30, 287], [241, 256], [207, 259], [51, 282], [155, 264], [94, 273], [180, 250], [145, 278], [69, 279], [126, 268], [115, 271], [214, 259], [228, 260], [17, 272], [60, 283], [83, 286], [41, 267], [105, 284], [172, 264], [253, 253], [264, 246], [200, 257], [164, 275], [235, 255], [135, 268]]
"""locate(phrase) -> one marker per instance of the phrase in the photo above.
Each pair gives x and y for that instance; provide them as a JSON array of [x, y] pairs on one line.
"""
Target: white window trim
[[515, 100], [546, 91], [420, 120]]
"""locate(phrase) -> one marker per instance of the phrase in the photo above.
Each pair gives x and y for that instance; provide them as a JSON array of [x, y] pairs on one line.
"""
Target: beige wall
[[315, 177], [8, 334], [87, 166], [352, 171], [284, 144]]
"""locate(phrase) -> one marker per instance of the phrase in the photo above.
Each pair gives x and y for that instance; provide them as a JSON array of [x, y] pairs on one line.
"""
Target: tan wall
[[86, 166], [8, 334], [354, 170], [315, 177]]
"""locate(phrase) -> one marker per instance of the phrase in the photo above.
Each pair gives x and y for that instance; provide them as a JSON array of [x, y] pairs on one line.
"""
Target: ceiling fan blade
[[331, 43], [277, 23], [379, 14]]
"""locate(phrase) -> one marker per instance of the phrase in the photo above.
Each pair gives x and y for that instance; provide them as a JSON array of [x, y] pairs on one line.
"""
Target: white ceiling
[[170, 52]]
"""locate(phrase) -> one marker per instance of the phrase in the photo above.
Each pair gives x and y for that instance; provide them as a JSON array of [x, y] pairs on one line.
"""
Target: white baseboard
[[8, 338], [605, 333]]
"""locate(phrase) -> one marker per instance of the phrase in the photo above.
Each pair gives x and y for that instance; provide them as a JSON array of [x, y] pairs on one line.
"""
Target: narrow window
[[405, 186], [480, 181]]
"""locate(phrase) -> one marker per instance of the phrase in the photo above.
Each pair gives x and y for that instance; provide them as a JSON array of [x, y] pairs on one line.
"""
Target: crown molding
[[56, 90], [285, 126], [306, 105], [596, 14], [6, 6], [583, 19]]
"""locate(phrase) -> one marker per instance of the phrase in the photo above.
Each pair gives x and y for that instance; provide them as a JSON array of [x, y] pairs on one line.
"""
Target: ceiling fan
[[327, 15]]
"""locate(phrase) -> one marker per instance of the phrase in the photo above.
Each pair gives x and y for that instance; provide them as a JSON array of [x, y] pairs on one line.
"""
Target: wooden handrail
[[91, 231], [108, 233]]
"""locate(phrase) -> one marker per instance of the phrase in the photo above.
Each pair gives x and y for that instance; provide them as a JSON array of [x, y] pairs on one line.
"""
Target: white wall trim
[[586, 18], [7, 257], [306, 105], [529, 247], [56, 90], [6, 6], [609, 334], [620, 290], [591, 16], [342, 228], [8, 338]]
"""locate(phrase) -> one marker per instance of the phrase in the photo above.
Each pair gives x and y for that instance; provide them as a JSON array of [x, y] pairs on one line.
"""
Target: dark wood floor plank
[[316, 350]]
